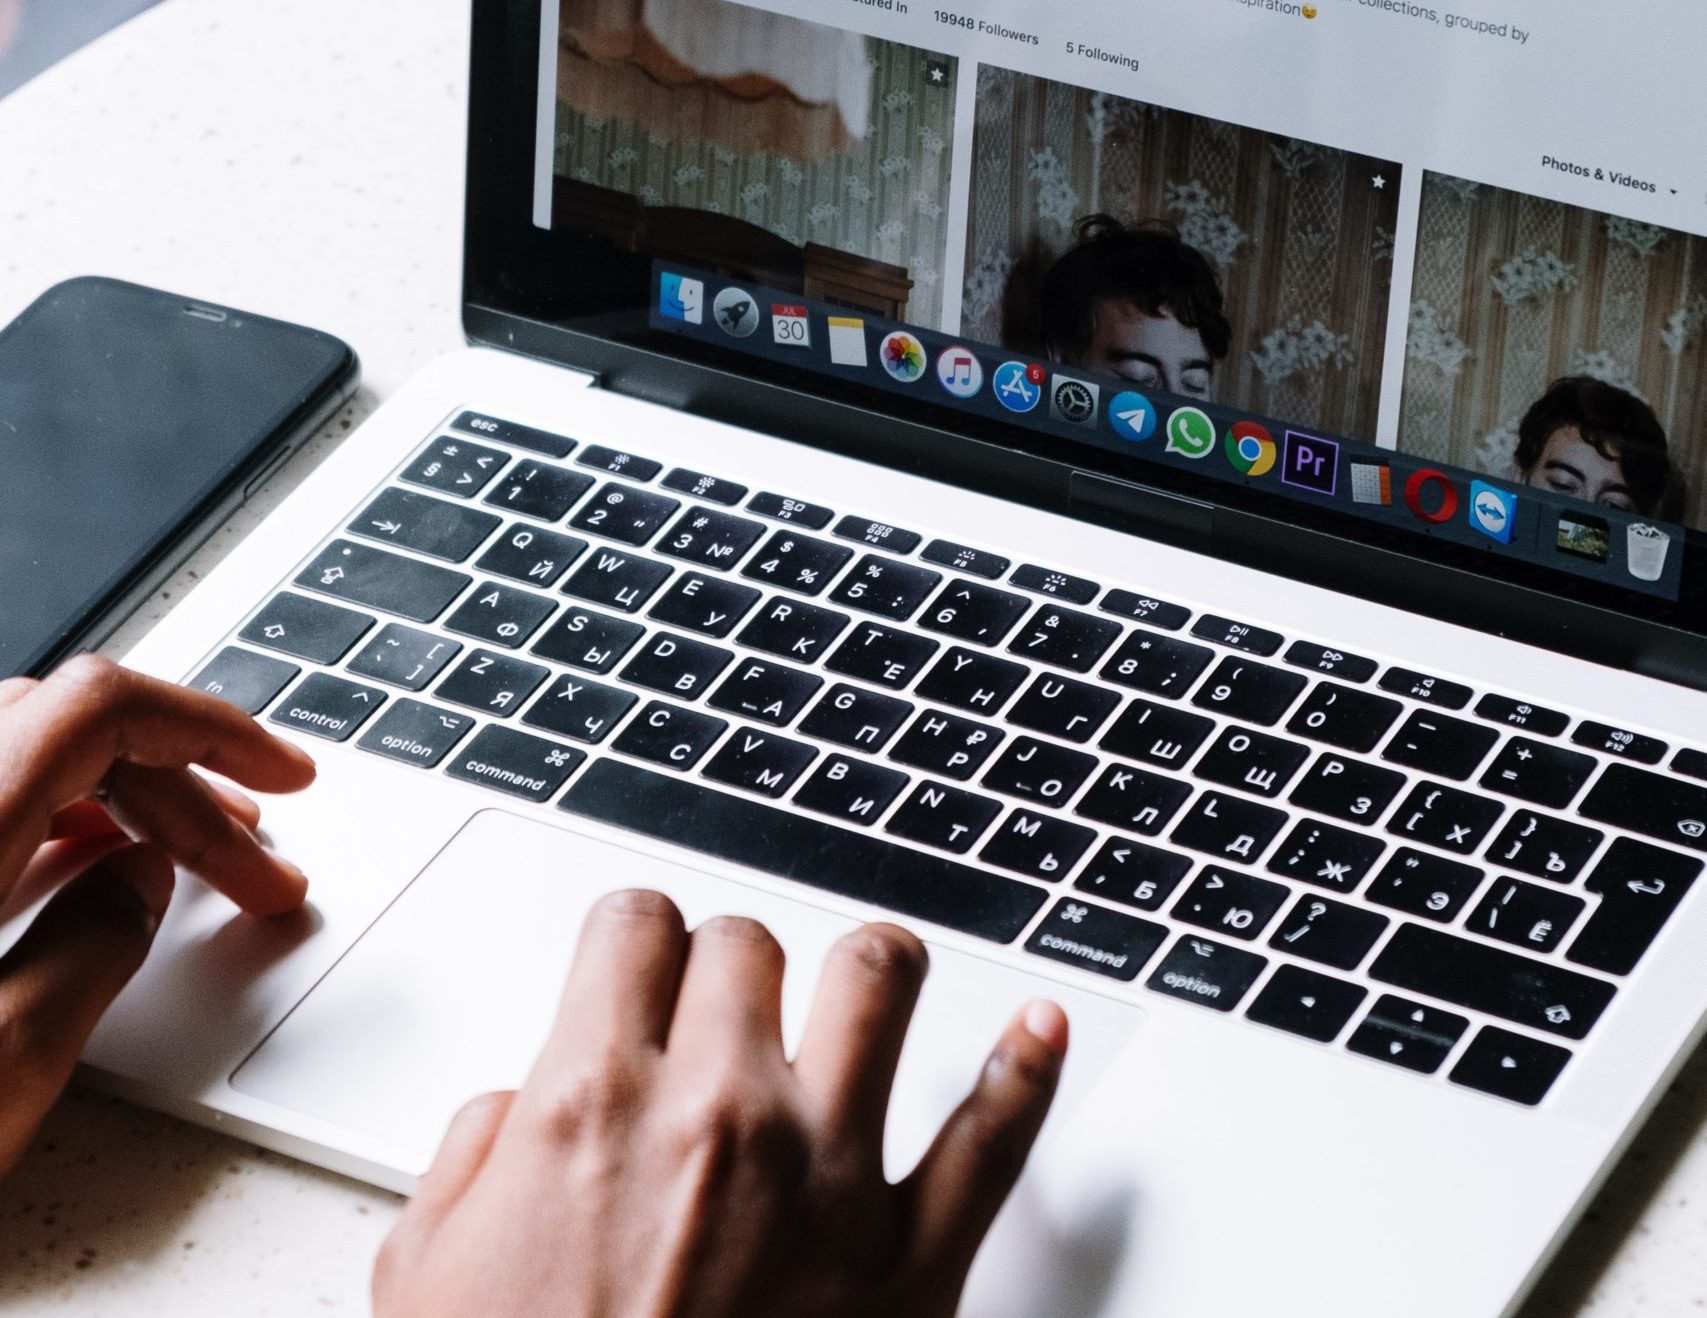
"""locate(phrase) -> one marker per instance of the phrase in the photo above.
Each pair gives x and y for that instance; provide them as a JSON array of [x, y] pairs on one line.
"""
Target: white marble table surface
[[304, 160]]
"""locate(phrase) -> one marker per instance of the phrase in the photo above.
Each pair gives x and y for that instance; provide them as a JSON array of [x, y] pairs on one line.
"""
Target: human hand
[[97, 800], [665, 1157]]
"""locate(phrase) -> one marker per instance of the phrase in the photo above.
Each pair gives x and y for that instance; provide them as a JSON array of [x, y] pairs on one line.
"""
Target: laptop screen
[[1433, 279]]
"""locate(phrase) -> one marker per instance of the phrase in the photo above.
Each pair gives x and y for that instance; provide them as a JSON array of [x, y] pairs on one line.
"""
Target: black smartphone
[[132, 423]]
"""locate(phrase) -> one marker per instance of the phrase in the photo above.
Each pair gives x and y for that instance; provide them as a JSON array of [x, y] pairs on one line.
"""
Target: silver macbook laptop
[[1193, 508]]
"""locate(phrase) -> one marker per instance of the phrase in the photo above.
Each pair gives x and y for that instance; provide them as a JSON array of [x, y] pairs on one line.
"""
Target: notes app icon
[[959, 372]]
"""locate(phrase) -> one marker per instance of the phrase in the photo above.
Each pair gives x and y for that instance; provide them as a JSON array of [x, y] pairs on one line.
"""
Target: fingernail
[[1047, 1023], [290, 869]]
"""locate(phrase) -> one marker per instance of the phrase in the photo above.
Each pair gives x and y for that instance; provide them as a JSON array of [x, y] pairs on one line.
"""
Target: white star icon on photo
[[1380, 182]]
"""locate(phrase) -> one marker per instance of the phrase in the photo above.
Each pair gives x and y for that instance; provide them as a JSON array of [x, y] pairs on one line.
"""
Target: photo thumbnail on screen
[[1189, 255], [772, 150], [1559, 347]]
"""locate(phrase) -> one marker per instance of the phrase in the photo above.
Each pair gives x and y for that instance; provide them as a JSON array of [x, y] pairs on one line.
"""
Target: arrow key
[[1509, 1065], [1407, 1034], [1308, 1003]]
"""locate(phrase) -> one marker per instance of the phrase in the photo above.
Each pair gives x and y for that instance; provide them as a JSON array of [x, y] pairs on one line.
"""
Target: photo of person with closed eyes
[[1593, 441]]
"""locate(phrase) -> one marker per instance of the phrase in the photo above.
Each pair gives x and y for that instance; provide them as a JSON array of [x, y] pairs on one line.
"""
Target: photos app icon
[[903, 356]]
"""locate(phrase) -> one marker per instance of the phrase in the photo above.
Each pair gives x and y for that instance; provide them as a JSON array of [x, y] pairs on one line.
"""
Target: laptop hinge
[[1170, 518]]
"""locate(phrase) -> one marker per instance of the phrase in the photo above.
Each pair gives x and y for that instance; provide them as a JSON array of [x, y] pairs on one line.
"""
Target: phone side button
[[267, 472]]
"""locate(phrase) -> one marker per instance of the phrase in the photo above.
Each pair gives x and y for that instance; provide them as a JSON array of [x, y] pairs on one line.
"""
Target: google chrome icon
[[1251, 449]]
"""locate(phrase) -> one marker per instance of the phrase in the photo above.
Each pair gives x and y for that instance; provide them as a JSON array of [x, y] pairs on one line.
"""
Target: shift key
[[363, 575]]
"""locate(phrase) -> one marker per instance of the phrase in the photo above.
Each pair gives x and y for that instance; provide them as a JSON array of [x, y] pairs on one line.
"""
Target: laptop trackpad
[[453, 990]]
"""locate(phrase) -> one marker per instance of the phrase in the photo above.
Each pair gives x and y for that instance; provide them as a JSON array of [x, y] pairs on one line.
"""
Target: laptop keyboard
[[1256, 824]]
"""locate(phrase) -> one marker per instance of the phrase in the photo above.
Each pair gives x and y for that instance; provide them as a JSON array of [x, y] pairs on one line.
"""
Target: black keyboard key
[[1134, 873], [980, 683], [1408, 1034], [1208, 973], [305, 628], [979, 562], [1522, 715], [1690, 762], [455, 466], [1157, 734], [882, 655], [776, 841], [797, 631], [1522, 913], [813, 516], [1230, 903], [501, 614], [618, 463], [878, 534], [1238, 635], [697, 485], [1331, 932], [512, 762], [538, 489], [1146, 608], [1639, 886], [428, 526], [1072, 711], [1046, 581], [942, 816], [1510, 1066], [378, 580], [967, 611], [677, 666], [1348, 789], [849, 716], [508, 432], [1419, 884], [623, 513], [529, 554], [1429, 690], [616, 580], [402, 656], [1094, 938], [581, 710], [590, 641], [1445, 817], [1618, 741], [710, 538], [1341, 716], [1335, 663], [1649, 803], [1157, 664], [1437, 744], [1544, 847], [708, 605], [1037, 845], [1229, 827], [1038, 771], [1307, 1003], [885, 587], [766, 690], [947, 744], [415, 733], [1326, 856], [1065, 638], [1253, 761], [1134, 799], [494, 684], [850, 790], [1250, 692], [669, 735], [1520, 989], [760, 762], [327, 706], [1534, 771]]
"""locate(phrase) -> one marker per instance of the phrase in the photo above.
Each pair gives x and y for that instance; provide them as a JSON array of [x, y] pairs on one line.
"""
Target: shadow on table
[[36, 34], [1681, 1117]]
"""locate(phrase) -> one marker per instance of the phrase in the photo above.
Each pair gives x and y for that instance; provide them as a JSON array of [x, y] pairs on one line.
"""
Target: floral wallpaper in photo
[[876, 187], [1300, 236], [1513, 292]]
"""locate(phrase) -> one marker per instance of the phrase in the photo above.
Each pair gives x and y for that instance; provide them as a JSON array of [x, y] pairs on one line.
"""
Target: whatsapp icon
[[1191, 433]]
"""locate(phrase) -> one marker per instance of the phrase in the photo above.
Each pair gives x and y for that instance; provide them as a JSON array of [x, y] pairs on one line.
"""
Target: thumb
[[966, 1175], [64, 972]]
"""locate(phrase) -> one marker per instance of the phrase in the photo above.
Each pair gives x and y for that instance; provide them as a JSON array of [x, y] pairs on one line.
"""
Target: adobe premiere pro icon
[[1311, 464]]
